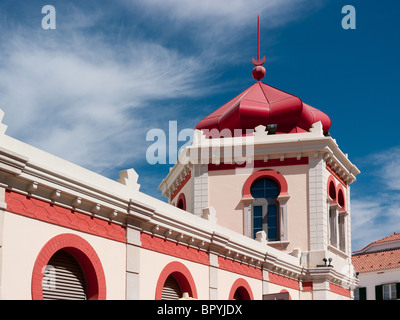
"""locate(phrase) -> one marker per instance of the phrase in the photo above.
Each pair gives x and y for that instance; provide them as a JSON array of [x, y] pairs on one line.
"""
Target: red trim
[[260, 164], [284, 290], [265, 173], [184, 181], [339, 290], [183, 198], [240, 268], [172, 248], [44, 211], [307, 286], [182, 274], [283, 281], [336, 175], [86, 256], [244, 290], [331, 187], [341, 198], [336, 192]]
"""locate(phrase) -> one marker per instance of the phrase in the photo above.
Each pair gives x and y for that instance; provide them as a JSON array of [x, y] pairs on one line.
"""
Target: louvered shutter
[[171, 289], [63, 278], [378, 293], [363, 293], [398, 290]]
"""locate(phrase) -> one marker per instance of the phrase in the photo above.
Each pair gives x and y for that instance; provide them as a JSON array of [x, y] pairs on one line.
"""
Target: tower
[[265, 166]]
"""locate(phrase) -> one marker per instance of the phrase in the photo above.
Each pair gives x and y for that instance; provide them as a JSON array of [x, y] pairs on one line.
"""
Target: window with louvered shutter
[[171, 289], [63, 278]]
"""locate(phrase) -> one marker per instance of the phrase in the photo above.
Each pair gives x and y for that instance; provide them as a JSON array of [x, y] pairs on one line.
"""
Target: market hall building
[[271, 222]]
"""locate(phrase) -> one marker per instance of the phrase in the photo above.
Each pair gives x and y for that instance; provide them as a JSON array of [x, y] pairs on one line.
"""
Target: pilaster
[[321, 290], [3, 207], [133, 247], [213, 275], [318, 206], [200, 188]]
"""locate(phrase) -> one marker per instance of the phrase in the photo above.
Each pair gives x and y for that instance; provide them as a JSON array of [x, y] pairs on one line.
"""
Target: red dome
[[262, 104]]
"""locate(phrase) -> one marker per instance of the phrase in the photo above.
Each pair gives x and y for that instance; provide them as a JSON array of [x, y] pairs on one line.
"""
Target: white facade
[[128, 243]]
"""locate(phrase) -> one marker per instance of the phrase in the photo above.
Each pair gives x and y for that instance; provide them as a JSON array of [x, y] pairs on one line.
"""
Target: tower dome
[[262, 104]]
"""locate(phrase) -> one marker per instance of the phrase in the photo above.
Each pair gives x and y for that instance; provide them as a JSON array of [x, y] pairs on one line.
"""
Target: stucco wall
[[225, 194], [152, 264], [23, 238]]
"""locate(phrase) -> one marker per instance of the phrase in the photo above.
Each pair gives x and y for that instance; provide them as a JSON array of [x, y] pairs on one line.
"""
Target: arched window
[[64, 278], [265, 208], [181, 204], [337, 215], [74, 256], [240, 290], [174, 281]]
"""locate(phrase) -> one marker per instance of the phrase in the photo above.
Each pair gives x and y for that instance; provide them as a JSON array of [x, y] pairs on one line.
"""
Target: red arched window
[[181, 203], [341, 198], [268, 174], [265, 195], [83, 253], [331, 188], [240, 290], [178, 272]]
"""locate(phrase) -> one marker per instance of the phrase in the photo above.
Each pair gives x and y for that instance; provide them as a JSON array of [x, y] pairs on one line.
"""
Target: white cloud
[[387, 163], [375, 211], [230, 13], [80, 91], [75, 99]]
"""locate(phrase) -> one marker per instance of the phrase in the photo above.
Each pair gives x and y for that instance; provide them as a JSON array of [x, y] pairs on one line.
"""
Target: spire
[[259, 70]]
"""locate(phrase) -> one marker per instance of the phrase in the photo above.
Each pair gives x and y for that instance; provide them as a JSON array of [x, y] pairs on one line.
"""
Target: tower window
[[265, 208]]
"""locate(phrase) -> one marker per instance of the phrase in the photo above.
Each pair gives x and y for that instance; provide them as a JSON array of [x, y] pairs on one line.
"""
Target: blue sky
[[91, 89]]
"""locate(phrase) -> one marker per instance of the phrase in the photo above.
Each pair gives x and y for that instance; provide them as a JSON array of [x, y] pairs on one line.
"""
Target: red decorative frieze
[[307, 285], [48, 212], [283, 281], [336, 175], [240, 268], [181, 185], [339, 290], [174, 249], [260, 164]]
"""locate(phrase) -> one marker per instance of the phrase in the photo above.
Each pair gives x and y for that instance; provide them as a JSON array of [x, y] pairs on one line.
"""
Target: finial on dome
[[259, 70]]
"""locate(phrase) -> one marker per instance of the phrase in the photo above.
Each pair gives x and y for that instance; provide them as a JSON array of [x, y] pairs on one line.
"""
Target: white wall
[[23, 238]]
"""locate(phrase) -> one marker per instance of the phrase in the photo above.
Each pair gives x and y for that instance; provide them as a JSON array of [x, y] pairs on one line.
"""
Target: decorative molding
[[48, 212], [129, 178], [244, 269], [283, 281], [264, 163], [173, 248], [339, 290], [12, 162], [180, 184]]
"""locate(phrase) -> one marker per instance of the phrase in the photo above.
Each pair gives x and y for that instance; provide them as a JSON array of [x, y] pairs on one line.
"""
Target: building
[[258, 208], [378, 269]]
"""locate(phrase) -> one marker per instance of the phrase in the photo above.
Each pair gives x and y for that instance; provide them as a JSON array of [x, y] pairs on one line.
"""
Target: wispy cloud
[[91, 89], [376, 211], [80, 99]]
